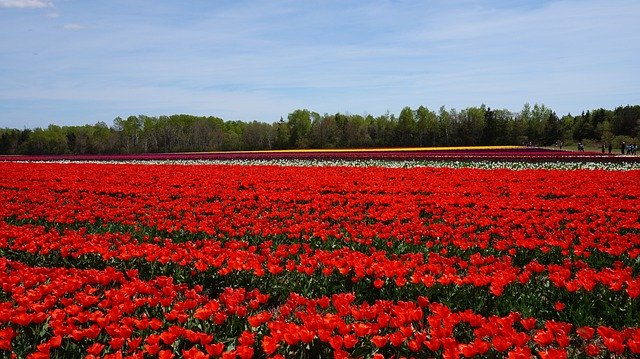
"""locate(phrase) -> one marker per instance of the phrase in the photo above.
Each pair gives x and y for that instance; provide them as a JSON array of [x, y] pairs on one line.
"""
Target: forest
[[535, 125]]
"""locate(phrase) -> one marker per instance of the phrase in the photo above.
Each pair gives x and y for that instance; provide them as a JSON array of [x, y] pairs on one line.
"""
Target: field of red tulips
[[198, 261]]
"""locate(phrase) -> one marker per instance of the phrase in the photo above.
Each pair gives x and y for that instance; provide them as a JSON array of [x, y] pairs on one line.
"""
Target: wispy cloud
[[73, 26], [26, 3]]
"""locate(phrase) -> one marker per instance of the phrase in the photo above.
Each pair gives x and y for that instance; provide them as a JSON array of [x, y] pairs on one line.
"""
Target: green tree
[[507, 130], [582, 128], [356, 132], [299, 123], [282, 135], [445, 126], [129, 131], [233, 131], [103, 139], [552, 129], [491, 131], [471, 126], [13, 141], [474, 125], [258, 136], [324, 132], [605, 131], [380, 131], [598, 117], [426, 126], [626, 121], [49, 141], [406, 128], [566, 127], [536, 122]]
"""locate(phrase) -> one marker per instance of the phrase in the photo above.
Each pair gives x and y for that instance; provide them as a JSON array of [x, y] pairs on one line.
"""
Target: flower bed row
[[497, 153], [48, 311], [577, 213]]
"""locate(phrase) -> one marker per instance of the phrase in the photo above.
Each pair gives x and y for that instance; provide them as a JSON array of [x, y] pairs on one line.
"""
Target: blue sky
[[73, 62]]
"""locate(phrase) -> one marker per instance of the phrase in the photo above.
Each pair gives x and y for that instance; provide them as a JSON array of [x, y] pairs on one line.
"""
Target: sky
[[76, 62]]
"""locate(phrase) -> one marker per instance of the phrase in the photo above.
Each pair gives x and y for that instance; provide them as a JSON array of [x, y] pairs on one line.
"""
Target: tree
[[324, 132], [445, 123], [426, 126], [406, 128], [604, 130], [507, 129], [381, 130], [129, 131], [50, 141], [282, 135], [150, 134], [233, 131], [356, 132], [389, 123], [582, 128], [207, 133], [490, 128], [626, 121], [566, 127], [13, 141], [520, 130], [299, 123], [536, 122], [258, 136], [79, 138], [597, 118], [103, 139], [552, 129], [471, 126]]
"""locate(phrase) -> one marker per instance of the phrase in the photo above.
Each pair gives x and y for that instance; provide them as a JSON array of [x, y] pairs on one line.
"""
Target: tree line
[[533, 125]]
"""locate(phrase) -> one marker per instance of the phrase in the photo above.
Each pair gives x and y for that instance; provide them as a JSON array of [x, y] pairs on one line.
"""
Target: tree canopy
[[303, 128]]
